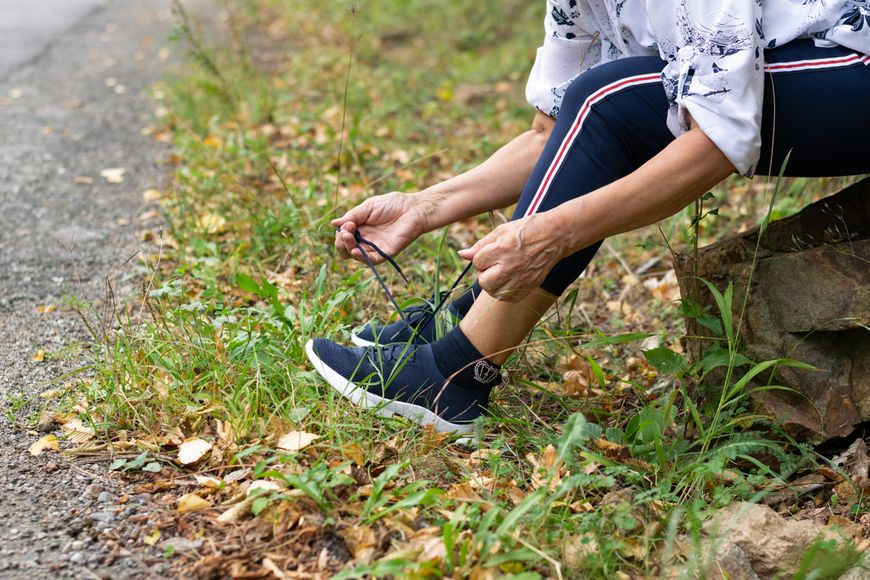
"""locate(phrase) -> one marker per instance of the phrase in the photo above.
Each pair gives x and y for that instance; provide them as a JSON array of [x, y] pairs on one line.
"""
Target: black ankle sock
[[463, 302], [454, 353]]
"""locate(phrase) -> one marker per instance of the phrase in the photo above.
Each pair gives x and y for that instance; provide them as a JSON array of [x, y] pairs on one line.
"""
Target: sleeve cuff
[[737, 137]]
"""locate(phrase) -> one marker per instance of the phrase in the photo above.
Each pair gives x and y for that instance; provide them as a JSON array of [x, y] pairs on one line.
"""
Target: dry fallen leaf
[[296, 440], [39, 356], [152, 538], [274, 569], [361, 541], [52, 393], [213, 223], [190, 502], [113, 174], [244, 507], [83, 180], [77, 431], [43, 443], [46, 308], [207, 481], [192, 450], [152, 194], [854, 460]]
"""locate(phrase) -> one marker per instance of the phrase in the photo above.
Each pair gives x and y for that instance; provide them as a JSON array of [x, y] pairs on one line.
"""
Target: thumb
[[468, 253], [357, 215]]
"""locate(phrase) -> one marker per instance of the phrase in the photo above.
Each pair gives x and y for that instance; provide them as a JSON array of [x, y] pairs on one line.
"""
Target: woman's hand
[[515, 257], [392, 221]]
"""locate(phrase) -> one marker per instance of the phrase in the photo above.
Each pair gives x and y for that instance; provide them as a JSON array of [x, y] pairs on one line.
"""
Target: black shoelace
[[359, 241]]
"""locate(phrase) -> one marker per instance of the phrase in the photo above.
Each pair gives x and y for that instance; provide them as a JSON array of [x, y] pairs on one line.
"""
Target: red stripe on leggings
[[813, 64]]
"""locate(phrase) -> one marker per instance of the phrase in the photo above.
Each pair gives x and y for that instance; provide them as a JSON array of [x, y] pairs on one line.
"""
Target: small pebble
[[104, 497], [93, 491], [105, 517], [76, 558]]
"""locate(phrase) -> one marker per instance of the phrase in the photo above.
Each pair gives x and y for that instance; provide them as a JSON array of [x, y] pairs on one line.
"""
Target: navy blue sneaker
[[402, 380], [421, 328]]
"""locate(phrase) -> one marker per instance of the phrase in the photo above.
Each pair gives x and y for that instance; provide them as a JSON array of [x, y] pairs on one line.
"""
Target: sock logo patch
[[485, 372]]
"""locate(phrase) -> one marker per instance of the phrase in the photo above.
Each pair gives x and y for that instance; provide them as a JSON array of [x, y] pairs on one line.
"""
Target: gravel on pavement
[[73, 102]]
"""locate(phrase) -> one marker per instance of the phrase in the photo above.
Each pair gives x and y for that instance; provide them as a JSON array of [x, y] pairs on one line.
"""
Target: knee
[[591, 82]]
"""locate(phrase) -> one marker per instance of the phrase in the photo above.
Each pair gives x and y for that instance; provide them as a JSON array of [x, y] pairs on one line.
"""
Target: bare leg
[[496, 327]]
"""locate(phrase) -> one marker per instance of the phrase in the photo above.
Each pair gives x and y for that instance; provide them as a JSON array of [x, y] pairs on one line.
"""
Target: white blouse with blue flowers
[[713, 49]]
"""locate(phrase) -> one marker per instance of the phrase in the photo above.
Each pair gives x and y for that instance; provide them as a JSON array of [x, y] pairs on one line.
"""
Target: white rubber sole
[[381, 406], [360, 341]]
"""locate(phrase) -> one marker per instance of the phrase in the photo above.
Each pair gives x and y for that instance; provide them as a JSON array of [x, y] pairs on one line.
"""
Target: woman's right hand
[[391, 221]]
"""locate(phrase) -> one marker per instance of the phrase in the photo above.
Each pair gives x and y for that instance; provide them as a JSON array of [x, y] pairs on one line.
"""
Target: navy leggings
[[612, 120]]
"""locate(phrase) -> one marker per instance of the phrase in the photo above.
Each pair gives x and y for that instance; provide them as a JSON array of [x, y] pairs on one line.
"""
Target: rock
[[103, 517], [856, 573], [809, 299], [104, 497], [93, 491], [76, 558], [753, 541], [180, 545], [46, 422]]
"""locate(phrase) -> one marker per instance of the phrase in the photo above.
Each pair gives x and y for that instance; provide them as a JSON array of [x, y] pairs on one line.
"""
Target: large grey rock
[[751, 541], [809, 299]]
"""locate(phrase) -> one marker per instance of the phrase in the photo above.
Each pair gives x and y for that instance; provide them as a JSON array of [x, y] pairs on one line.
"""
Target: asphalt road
[[74, 77], [28, 26]]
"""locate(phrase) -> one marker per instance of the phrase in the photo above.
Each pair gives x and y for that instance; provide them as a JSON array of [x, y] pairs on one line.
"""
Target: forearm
[[495, 183], [678, 175]]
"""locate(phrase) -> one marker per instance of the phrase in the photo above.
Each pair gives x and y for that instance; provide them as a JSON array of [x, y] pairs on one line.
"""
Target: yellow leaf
[[296, 440], [78, 431], [113, 174], [39, 356], [207, 481], [46, 308], [361, 541], [47, 442], [151, 194], [213, 223], [192, 450], [243, 508], [212, 141], [190, 502], [152, 538]]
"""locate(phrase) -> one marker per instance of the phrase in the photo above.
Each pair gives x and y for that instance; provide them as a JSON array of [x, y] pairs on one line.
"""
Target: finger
[[470, 252], [340, 245], [340, 248], [495, 284], [358, 214], [486, 257], [344, 242]]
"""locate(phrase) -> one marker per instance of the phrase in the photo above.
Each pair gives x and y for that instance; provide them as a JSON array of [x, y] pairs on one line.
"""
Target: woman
[[642, 107]]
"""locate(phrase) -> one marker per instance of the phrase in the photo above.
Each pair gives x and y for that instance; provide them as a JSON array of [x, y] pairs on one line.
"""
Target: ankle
[[460, 361]]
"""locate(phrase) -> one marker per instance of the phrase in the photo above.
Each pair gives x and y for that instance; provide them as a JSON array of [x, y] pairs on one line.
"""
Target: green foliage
[[603, 483]]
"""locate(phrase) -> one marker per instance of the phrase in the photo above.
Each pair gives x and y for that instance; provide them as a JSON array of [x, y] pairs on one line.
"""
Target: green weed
[[606, 478]]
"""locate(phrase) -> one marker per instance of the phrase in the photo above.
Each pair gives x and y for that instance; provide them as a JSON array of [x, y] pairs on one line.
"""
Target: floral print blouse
[[713, 50]]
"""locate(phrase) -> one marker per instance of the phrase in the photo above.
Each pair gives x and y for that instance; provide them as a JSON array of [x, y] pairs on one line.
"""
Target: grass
[[595, 462]]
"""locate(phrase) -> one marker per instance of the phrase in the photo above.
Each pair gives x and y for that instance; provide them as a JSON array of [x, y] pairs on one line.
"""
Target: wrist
[[556, 224], [429, 208]]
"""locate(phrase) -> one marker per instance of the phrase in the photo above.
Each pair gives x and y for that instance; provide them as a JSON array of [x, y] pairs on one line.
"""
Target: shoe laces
[[430, 311]]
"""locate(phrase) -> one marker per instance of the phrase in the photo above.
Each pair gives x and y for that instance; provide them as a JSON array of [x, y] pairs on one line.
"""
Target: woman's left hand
[[515, 257]]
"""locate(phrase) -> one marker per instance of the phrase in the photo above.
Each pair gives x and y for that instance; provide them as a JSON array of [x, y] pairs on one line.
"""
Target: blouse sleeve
[[715, 72], [564, 55]]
